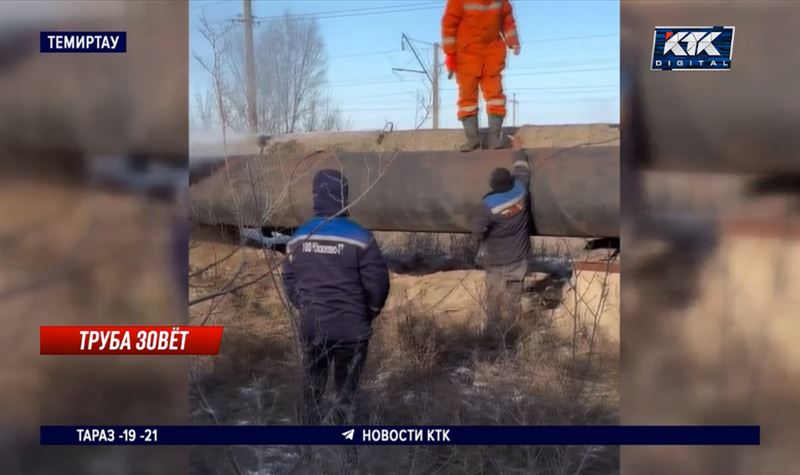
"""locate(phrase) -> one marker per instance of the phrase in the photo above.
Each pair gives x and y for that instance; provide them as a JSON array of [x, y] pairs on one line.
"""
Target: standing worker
[[337, 278], [503, 227], [475, 34]]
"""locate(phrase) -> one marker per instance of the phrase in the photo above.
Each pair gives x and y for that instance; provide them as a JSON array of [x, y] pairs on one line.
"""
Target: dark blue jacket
[[335, 274], [504, 222]]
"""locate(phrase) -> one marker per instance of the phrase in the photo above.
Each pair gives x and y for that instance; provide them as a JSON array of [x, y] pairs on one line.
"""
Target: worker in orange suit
[[475, 34]]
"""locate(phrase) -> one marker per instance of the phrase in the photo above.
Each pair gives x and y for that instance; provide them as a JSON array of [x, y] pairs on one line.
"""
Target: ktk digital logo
[[692, 48]]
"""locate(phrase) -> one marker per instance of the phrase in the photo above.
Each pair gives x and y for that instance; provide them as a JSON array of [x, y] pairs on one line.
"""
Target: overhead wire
[[556, 64], [399, 9], [537, 40], [356, 10], [411, 108], [570, 38], [369, 53], [332, 14], [547, 65], [557, 89], [536, 73], [421, 6]]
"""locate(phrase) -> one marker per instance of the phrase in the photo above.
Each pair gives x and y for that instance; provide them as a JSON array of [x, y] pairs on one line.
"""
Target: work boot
[[495, 135], [472, 133]]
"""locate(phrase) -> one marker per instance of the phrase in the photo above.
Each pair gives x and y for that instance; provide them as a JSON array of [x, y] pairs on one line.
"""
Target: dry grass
[[424, 368]]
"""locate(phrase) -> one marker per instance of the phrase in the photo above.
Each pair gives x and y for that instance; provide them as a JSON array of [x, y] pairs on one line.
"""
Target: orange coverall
[[471, 30]]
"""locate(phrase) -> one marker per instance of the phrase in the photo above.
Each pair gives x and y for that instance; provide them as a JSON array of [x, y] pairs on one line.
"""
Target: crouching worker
[[338, 280], [503, 228]]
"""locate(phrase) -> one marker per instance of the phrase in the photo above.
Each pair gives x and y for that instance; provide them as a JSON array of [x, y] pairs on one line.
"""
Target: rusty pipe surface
[[575, 190]]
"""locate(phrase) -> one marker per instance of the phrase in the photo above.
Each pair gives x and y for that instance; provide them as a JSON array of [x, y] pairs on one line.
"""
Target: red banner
[[129, 340]]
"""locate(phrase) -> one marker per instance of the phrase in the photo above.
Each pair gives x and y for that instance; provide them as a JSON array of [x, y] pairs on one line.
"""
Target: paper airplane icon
[[349, 434]]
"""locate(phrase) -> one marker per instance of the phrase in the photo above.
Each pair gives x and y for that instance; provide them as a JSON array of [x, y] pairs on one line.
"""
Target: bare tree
[[323, 114], [291, 72], [215, 36], [204, 105], [424, 106]]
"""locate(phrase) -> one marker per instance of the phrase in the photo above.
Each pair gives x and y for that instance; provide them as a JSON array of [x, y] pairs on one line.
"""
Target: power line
[[563, 95], [558, 89], [361, 80], [371, 53], [556, 64], [539, 40], [420, 41], [564, 72], [364, 12], [374, 53], [453, 106], [350, 15], [561, 87], [355, 10], [390, 94], [258, 20], [368, 83], [379, 109], [450, 95], [552, 88], [580, 99], [570, 38], [538, 73], [386, 79], [416, 55], [512, 72]]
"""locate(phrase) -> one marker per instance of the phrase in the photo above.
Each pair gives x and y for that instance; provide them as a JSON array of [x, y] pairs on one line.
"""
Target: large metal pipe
[[574, 189]]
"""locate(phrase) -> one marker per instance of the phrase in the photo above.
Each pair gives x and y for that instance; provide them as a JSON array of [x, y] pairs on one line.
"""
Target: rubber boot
[[472, 133], [495, 135]]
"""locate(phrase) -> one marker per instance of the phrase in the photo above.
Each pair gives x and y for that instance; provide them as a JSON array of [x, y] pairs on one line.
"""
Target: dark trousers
[[504, 285], [347, 360]]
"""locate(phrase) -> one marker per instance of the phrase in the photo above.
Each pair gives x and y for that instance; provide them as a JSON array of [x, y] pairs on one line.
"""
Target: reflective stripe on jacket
[[504, 224], [337, 278], [473, 24]]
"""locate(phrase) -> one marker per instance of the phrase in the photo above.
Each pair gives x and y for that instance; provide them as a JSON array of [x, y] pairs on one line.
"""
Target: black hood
[[501, 180], [330, 193]]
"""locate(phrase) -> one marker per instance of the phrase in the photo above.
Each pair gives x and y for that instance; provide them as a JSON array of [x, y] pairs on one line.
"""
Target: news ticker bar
[[400, 435]]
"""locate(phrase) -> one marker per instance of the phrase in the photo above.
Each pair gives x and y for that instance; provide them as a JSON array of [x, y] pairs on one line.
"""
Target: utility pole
[[514, 110], [435, 85], [251, 67], [434, 79]]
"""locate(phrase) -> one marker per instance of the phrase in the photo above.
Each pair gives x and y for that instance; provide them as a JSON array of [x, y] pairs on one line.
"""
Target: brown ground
[[429, 363]]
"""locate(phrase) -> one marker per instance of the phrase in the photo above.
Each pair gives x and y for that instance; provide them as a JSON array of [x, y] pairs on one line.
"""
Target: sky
[[567, 72]]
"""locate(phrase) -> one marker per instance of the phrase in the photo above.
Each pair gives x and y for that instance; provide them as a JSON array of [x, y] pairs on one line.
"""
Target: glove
[[450, 63]]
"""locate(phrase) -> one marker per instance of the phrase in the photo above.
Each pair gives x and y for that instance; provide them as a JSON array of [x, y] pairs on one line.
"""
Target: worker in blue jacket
[[338, 280], [503, 227]]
